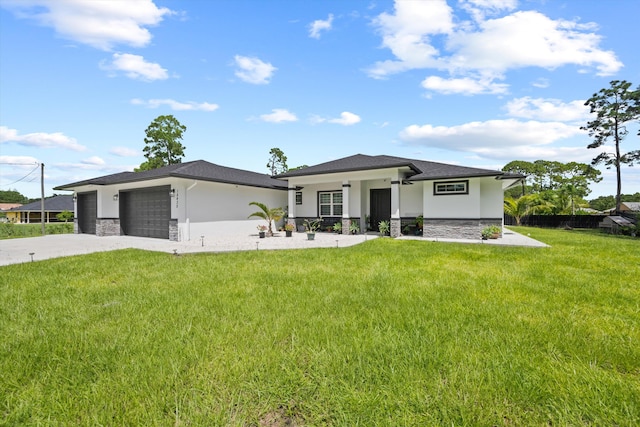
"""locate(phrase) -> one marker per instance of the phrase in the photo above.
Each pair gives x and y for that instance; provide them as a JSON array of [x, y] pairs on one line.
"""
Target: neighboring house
[[191, 200], [5, 207], [614, 223], [176, 202], [630, 207], [455, 201], [31, 212]]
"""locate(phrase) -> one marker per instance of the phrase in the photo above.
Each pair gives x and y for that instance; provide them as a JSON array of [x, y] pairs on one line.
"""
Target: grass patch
[[9, 230], [384, 333]]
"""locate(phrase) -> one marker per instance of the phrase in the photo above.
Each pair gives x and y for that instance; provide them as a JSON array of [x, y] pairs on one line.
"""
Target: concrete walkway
[[14, 251]]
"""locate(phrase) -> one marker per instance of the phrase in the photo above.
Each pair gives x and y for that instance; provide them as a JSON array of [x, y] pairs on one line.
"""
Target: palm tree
[[268, 214], [517, 208]]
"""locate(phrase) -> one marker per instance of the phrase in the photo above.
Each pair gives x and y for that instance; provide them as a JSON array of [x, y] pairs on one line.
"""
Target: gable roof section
[[57, 203], [632, 206], [198, 169], [423, 170]]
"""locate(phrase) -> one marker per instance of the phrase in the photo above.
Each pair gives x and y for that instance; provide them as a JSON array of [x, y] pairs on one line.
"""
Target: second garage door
[[146, 212]]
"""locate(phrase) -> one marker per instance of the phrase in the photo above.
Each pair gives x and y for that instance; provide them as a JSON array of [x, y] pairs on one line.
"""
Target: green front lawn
[[386, 333]]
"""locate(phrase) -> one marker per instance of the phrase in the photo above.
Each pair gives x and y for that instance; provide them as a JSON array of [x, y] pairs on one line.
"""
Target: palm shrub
[[521, 207], [268, 214]]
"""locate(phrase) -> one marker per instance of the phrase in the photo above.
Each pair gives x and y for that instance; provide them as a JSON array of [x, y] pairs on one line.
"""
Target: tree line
[[559, 188]]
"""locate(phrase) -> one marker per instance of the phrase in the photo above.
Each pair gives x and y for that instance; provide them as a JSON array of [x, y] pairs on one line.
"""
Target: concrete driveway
[[14, 251]]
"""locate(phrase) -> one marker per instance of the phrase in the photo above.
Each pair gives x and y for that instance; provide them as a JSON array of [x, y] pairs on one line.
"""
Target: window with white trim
[[330, 203], [450, 187]]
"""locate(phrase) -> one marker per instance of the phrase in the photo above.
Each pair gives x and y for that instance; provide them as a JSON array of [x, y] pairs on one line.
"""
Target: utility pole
[[42, 196]]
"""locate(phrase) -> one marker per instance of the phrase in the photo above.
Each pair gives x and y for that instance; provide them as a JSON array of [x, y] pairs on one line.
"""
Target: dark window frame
[[453, 192], [331, 204]]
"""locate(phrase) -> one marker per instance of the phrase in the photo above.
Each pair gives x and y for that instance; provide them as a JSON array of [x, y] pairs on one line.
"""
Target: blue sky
[[471, 82]]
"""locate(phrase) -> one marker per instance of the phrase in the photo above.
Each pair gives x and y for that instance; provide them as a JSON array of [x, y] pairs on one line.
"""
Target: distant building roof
[[198, 169], [52, 204], [632, 206], [7, 206], [616, 220]]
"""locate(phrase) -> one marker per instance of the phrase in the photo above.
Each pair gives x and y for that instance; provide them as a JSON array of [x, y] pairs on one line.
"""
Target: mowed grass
[[387, 333]]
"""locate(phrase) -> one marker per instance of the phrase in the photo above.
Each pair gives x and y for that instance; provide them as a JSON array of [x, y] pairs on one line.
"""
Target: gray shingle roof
[[423, 170], [198, 169], [52, 204]]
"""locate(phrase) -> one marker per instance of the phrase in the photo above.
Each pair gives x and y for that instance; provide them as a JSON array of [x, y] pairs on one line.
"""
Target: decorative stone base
[[458, 228], [346, 224], [107, 227], [174, 231], [395, 228]]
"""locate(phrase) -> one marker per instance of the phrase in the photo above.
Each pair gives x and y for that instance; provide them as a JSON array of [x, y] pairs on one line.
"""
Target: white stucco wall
[[209, 208], [492, 200], [210, 201], [411, 199], [453, 205]]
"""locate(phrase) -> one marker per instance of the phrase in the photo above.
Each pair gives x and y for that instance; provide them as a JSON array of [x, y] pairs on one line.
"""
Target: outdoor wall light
[[115, 197], [75, 198], [172, 192]]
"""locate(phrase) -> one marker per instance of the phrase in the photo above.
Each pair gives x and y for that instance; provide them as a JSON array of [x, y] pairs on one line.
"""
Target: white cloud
[[253, 70], [319, 25], [176, 105], [485, 47], [279, 115], [346, 119], [529, 39], [101, 24], [93, 161], [19, 160], [500, 139], [135, 67], [406, 33], [124, 152], [40, 139], [464, 86], [548, 109]]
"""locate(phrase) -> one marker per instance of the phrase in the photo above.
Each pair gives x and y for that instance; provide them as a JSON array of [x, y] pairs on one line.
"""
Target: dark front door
[[380, 207], [146, 213], [87, 205]]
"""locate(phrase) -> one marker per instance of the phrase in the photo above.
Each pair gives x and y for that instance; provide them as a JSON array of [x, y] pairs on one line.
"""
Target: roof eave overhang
[[347, 170], [460, 176], [71, 187]]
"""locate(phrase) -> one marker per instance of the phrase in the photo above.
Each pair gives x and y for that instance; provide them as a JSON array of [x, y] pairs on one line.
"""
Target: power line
[[23, 164]]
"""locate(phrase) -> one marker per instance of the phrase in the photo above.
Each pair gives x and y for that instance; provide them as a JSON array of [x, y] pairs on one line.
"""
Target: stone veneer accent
[[346, 223], [458, 228], [395, 229], [107, 227], [174, 232]]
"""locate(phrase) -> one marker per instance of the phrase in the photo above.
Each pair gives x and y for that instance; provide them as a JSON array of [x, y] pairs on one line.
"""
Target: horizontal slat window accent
[[450, 187]]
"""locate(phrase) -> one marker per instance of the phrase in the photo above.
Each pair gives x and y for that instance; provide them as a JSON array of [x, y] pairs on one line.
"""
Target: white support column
[[395, 199], [395, 209], [346, 216], [292, 202], [345, 199]]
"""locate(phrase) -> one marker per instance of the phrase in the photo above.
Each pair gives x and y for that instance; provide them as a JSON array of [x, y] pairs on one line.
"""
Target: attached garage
[[178, 200], [87, 212], [146, 212]]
